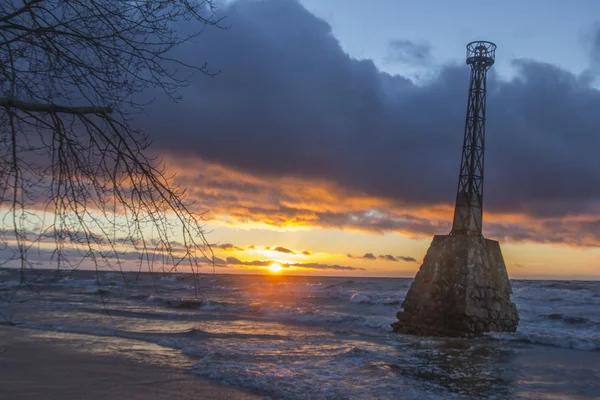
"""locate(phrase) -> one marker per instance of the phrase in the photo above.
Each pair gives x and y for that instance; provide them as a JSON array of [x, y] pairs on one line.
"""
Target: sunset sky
[[329, 143]]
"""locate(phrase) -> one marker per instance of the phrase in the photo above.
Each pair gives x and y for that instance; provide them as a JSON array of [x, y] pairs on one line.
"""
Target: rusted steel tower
[[469, 197], [462, 287]]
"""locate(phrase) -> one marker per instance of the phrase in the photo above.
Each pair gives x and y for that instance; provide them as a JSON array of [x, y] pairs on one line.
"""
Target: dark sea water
[[326, 338]]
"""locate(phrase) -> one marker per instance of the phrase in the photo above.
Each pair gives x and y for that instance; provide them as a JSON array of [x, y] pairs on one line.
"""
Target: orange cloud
[[237, 198]]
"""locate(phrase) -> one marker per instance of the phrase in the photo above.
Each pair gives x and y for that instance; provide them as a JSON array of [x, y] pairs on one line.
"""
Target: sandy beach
[[47, 365]]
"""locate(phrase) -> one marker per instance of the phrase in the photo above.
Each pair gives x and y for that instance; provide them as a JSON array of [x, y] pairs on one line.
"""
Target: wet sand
[[48, 365]]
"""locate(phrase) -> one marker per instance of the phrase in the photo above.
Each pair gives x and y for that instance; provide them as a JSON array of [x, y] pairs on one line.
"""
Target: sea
[[293, 337]]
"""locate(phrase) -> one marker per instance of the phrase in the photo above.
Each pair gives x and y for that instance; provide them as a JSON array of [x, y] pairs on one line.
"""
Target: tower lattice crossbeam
[[469, 197]]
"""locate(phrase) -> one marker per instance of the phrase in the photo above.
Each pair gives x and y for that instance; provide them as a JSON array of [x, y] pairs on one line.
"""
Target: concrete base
[[461, 289]]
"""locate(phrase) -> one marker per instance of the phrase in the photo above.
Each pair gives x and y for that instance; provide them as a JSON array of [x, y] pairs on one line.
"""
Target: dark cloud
[[290, 102], [71, 257], [284, 250], [323, 266], [383, 222], [281, 203], [255, 263], [226, 247], [385, 257], [405, 51], [217, 260], [407, 259], [306, 252], [266, 263]]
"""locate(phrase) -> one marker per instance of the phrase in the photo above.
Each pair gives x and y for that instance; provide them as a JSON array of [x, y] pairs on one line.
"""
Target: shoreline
[[50, 365]]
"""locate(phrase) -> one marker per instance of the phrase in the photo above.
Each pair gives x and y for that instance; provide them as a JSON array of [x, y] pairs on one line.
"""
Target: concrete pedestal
[[461, 289]]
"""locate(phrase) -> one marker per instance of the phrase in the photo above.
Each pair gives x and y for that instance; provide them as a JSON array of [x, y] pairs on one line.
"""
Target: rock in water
[[461, 289]]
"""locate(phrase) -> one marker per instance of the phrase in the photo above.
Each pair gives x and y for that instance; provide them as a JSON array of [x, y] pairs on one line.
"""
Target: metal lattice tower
[[469, 197]]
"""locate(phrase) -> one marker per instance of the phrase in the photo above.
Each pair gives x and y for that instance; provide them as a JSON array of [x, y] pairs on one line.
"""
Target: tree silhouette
[[77, 181]]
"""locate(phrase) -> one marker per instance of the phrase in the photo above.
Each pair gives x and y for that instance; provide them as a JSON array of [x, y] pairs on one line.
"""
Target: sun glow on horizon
[[275, 268]]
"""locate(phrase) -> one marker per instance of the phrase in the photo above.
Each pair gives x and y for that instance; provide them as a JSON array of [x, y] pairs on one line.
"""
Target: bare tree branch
[[76, 180]]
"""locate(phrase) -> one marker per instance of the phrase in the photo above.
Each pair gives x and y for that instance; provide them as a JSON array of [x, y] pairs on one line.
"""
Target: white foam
[[346, 373], [209, 305]]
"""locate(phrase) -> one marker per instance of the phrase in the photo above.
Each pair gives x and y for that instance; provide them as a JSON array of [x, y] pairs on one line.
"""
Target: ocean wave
[[364, 298], [349, 283], [540, 296], [97, 290], [280, 380], [567, 339], [132, 313], [153, 298], [76, 283], [355, 351], [184, 303], [302, 315], [568, 319], [9, 284], [344, 374], [139, 296], [566, 285], [211, 305], [173, 278], [93, 331], [323, 318], [198, 304]]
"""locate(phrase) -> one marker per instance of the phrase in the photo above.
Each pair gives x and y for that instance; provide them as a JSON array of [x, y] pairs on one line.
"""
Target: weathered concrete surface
[[461, 289]]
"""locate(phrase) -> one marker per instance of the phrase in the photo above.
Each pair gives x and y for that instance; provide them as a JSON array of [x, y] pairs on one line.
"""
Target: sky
[[329, 142], [551, 31]]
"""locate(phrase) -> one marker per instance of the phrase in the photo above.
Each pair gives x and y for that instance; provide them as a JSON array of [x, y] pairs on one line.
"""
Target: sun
[[275, 268]]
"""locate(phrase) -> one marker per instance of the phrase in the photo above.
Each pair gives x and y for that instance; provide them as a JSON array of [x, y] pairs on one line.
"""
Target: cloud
[[407, 259], [217, 260], [595, 49], [405, 51], [226, 247], [255, 263], [283, 250], [384, 257], [306, 252], [323, 266], [266, 263], [338, 129], [323, 204]]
